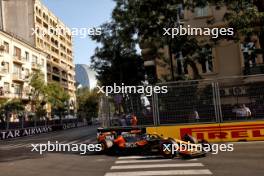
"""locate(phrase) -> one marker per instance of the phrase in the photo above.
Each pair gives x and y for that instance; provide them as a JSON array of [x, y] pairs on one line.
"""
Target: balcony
[[3, 72], [254, 70], [5, 94], [64, 84], [63, 76], [19, 59], [18, 77], [35, 66], [21, 95], [49, 70], [72, 87], [56, 72]]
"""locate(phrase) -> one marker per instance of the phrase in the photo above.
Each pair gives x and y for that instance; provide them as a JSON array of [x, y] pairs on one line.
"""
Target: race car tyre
[[104, 147], [166, 149]]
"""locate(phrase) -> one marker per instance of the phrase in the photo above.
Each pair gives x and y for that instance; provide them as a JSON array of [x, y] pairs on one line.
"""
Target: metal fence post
[[154, 113], [217, 102], [214, 101], [155, 109], [218, 96]]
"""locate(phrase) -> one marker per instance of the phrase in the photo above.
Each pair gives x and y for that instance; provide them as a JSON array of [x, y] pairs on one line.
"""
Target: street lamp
[[173, 24]]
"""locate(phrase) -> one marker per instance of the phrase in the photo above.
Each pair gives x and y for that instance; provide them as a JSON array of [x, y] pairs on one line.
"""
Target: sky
[[81, 14]]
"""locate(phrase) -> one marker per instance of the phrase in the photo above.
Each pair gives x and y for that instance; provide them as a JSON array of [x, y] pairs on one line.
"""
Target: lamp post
[[173, 24]]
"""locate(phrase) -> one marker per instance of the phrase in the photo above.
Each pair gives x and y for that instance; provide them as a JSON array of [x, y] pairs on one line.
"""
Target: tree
[[145, 20], [116, 60], [142, 22], [38, 94], [87, 103], [58, 98], [11, 106]]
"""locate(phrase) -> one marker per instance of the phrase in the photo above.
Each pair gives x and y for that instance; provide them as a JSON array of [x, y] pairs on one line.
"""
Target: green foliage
[[116, 60], [57, 96], [41, 93], [87, 103], [14, 105], [10, 106], [141, 23], [38, 93]]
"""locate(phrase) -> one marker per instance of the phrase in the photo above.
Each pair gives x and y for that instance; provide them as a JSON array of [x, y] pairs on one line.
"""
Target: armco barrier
[[220, 132], [15, 133]]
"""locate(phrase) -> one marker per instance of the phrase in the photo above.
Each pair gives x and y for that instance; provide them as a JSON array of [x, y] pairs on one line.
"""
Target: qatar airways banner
[[14, 133]]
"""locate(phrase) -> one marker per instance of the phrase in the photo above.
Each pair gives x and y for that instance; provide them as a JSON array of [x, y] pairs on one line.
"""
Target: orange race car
[[136, 141]]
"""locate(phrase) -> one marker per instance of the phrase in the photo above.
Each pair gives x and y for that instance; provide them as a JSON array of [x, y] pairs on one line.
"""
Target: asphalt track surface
[[17, 159]]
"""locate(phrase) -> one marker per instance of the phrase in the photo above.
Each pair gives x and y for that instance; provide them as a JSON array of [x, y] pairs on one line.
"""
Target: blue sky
[[80, 14]]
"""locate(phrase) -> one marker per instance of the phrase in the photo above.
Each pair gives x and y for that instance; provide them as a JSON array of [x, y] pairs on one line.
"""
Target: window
[[27, 73], [27, 56], [34, 59], [6, 45], [201, 11], [17, 52], [6, 67], [17, 89], [207, 62], [181, 66], [42, 62], [248, 54], [6, 87], [17, 69], [181, 11]]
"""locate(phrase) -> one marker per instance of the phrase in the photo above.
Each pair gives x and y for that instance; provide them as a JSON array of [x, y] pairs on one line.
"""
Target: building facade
[[227, 58], [18, 60], [85, 76], [36, 24]]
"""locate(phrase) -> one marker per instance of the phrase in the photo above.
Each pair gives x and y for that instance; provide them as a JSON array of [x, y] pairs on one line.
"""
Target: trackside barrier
[[15, 133], [219, 132]]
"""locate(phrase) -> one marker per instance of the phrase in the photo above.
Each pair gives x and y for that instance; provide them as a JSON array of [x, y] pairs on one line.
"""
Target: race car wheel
[[104, 147], [166, 149]]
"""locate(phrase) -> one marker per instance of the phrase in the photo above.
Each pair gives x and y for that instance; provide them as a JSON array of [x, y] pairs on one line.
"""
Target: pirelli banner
[[221, 132]]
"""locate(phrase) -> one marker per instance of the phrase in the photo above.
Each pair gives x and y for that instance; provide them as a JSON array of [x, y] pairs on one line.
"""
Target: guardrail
[[33, 128]]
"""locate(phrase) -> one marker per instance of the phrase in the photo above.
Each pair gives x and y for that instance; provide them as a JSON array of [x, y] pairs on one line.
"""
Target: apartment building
[[226, 58], [30, 19], [18, 60]]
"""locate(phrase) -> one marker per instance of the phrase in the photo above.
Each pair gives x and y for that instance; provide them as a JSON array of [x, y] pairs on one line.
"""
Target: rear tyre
[[166, 149]]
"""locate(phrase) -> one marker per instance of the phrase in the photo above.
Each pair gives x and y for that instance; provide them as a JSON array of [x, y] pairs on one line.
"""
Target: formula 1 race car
[[136, 141]]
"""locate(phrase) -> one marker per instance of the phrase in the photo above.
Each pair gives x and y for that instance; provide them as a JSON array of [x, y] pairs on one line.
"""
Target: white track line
[[157, 166], [135, 157], [168, 172], [73, 142], [146, 157], [141, 161]]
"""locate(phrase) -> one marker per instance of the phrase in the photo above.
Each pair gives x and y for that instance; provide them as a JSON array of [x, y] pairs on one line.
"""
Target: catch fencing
[[191, 102]]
